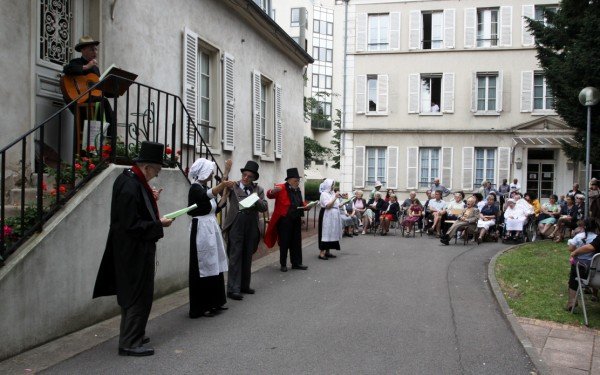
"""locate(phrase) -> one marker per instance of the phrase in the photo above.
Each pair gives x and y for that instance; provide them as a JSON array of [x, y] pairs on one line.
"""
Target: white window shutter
[[394, 31], [412, 167], [228, 102], [447, 158], [470, 27], [527, 91], [448, 93], [526, 36], [474, 92], [190, 83], [413, 93], [359, 166], [392, 170], [257, 136], [467, 168], [361, 32], [449, 28], [382, 93], [361, 94], [503, 164], [414, 34], [499, 85], [505, 26], [278, 123]]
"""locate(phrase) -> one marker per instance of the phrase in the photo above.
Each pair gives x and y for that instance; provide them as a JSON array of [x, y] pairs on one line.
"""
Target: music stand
[[113, 85]]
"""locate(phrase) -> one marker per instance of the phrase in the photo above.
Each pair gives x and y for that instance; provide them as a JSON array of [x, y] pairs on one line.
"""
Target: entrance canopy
[[544, 140]]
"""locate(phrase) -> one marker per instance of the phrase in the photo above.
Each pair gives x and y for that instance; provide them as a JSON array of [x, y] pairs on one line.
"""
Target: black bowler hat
[[292, 173], [251, 166], [85, 41], [151, 152]]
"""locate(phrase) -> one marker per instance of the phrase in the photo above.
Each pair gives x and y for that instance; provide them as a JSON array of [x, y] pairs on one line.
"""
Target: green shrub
[[311, 190]]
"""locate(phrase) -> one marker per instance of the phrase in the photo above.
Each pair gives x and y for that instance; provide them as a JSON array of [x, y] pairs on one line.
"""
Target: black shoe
[[283, 269], [445, 241], [299, 267], [248, 291], [220, 308], [140, 351], [145, 340], [235, 296], [206, 314], [330, 255], [323, 258]]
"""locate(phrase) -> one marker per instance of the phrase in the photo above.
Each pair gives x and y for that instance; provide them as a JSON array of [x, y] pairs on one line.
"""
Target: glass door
[[540, 179]]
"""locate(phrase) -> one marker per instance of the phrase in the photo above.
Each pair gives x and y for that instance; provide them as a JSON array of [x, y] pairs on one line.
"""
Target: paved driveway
[[386, 305]]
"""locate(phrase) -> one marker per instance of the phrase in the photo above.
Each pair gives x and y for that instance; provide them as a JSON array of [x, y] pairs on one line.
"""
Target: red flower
[[44, 186], [53, 192], [91, 148], [91, 167], [62, 189], [84, 159], [77, 166], [168, 150], [106, 148], [105, 155], [7, 231]]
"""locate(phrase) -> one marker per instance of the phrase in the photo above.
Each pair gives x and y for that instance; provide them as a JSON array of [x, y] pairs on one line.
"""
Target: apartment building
[[450, 90]]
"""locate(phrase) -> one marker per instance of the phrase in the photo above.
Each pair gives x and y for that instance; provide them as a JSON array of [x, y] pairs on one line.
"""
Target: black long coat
[[131, 246]]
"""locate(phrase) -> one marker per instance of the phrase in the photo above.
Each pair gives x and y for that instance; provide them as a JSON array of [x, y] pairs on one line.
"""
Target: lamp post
[[588, 97]]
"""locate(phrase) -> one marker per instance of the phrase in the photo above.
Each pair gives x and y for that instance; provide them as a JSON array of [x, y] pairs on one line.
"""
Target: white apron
[[212, 259], [332, 229]]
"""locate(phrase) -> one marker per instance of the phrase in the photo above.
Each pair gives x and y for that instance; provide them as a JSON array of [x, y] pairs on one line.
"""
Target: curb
[[536, 359]]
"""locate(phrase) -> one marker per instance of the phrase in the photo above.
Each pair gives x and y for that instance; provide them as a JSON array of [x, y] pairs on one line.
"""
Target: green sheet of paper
[[183, 211], [309, 205]]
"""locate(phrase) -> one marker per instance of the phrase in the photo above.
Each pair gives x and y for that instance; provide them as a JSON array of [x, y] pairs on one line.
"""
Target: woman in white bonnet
[[208, 260]]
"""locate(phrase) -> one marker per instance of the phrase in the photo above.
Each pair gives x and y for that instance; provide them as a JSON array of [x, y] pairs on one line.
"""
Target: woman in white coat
[[330, 221], [514, 219]]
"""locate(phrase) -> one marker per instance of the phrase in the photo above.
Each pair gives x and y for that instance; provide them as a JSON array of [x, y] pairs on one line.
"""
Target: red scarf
[[138, 172]]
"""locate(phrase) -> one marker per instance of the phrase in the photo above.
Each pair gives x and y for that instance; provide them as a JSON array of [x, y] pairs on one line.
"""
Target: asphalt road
[[385, 305]]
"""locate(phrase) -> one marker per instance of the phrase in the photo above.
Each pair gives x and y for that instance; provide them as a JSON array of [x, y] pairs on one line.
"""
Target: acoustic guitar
[[72, 86]]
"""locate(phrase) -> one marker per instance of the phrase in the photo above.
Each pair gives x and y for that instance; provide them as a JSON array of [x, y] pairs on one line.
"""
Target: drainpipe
[[343, 129]]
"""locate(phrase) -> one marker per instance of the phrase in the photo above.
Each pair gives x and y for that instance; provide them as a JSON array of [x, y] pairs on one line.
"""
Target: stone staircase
[[12, 206]]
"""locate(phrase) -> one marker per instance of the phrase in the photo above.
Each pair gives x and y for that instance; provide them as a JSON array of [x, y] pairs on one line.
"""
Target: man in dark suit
[[127, 267], [242, 230]]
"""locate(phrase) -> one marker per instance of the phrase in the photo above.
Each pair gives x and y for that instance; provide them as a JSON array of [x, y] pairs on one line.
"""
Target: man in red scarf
[[127, 267]]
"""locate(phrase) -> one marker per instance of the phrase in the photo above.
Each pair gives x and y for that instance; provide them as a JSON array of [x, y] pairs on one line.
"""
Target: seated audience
[[414, 215], [583, 247], [487, 217], [437, 208], [514, 219], [348, 215], [374, 208], [567, 220], [360, 205], [389, 215], [550, 211], [468, 217]]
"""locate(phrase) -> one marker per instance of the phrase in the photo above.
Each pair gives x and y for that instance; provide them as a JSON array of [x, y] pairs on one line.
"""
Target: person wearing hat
[[376, 189], [241, 228], [85, 64], [514, 219], [286, 222], [127, 267]]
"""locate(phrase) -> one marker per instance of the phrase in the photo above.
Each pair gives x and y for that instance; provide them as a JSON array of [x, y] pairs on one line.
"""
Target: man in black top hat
[[127, 267], [241, 228]]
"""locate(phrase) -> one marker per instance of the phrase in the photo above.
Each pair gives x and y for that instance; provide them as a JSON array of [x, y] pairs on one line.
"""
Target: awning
[[544, 141]]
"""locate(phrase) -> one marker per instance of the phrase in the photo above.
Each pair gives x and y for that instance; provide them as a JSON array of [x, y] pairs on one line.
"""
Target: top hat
[[151, 152], [251, 166], [292, 173], [84, 41]]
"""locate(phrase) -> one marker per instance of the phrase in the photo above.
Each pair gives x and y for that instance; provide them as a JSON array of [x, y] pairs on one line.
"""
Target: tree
[[337, 133], [568, 48], [314, 151]]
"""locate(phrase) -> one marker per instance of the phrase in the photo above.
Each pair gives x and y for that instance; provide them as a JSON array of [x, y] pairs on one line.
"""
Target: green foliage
[[314, 151], [567, 48], [312, 106], [533, 279], [335, 142], [311, 190]]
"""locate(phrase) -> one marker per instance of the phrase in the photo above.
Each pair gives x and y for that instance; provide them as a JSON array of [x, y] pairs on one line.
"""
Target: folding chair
[[592, 281]]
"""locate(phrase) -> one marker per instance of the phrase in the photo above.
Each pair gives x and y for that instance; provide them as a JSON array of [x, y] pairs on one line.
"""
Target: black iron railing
[[43, 168]]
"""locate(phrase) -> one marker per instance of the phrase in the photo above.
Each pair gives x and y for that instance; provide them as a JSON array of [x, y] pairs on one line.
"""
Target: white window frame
[[489, 174], [486, 97], [431, 76], [292, 22], [379, 153], [484, 33], [426, 181], [545, 97], [542, 8], [382, 38], [440, 41], [205, 124]]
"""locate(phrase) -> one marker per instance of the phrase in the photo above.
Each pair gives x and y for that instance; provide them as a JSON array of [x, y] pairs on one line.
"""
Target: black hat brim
[[80, 46], [250, 170]]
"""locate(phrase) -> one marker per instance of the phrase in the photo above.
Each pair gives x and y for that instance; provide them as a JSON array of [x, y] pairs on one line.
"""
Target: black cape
[[131, 245]]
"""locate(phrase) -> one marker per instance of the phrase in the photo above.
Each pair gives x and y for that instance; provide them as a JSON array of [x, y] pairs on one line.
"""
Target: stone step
[[12, 211], [15, 195], [49, 180]]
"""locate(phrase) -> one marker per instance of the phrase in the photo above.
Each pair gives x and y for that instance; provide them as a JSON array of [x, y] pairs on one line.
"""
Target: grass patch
[[533, 279]]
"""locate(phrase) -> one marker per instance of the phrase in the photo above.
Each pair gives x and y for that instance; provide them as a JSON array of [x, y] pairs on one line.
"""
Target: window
[[540, 12], [485, 165], [433, 28], [487, 27], [265, 5], [315, 80], [431, 92], [372, 93], [296, 39], [429, 165], [376, 164], [263, 114], [542, 94], [378, 32], [321, 81], [204, 81], [295, 17], [323, 109], [328, 82], [323, 27], [486, 92], [323, 54]]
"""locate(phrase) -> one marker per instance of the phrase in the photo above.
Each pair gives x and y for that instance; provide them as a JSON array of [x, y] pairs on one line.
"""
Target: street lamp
[[588, 97]]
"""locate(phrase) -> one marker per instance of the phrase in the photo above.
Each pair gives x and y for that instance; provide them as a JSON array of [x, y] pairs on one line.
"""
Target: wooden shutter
[[499, 90], [228, 103], [449, 28], [503, 164], [527, 91], [414, 26], [448, 93], [257, 136], [359, 166], [382, 94], [474, 92], [278, 123], [467, 168], [190, 83], [394, 31], [361, 94], [526, 36], [361, 32], [505, 23], [412, 167], [392, 170], [413, 93], [470, 27], [446, 163]]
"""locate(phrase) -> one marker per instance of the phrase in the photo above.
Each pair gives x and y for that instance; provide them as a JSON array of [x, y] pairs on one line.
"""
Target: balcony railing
[[320, 124]]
